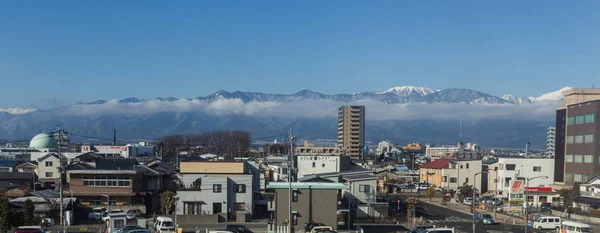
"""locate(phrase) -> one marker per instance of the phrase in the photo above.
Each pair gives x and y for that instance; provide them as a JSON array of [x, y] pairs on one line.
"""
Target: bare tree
[[167, 201]]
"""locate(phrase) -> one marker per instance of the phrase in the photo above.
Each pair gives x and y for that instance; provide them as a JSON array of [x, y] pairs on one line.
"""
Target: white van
[[547, 223], [164, 225], [574, 227], [438, 230]]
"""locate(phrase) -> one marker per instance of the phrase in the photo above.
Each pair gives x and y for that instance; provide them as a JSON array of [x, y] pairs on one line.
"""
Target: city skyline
[[63, 52]]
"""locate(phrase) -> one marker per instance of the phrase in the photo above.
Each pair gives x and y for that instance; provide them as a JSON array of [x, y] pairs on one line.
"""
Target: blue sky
[[61, 52]]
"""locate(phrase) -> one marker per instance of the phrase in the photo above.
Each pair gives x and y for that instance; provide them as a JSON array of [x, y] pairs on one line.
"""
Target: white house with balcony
[[511, 169], [590, 195]]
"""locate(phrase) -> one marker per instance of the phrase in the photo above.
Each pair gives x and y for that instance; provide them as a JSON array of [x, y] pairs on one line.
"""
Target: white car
[[96, 213], [105, 214], [468, 201]]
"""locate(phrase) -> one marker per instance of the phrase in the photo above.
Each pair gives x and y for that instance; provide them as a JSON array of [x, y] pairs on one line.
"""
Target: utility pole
[[60, 184], [290, 168]]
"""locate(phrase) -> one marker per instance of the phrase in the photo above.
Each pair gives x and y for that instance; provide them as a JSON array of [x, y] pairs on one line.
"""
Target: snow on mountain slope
[[555, 95], [409, 90], [518, 100], [17, 111]]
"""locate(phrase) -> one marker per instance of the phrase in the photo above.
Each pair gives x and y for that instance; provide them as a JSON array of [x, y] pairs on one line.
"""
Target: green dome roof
[[43, 141]]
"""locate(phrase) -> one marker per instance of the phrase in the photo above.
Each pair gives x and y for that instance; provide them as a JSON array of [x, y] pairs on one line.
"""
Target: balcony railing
[[590, 194]]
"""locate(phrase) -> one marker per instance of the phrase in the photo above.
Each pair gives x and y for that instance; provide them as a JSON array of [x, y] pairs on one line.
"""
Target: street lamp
[[473, 195], [175, 199], [526, 201]]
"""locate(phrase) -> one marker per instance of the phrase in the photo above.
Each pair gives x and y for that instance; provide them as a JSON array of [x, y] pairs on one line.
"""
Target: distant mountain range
[[132, 124]]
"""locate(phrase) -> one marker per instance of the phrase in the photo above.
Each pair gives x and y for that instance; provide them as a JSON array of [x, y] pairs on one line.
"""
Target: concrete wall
[[227, 197], [215, 167], [319, 206], [364, 197]]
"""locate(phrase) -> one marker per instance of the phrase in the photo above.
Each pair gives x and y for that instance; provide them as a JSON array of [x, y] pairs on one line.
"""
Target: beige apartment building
[[351, 129]]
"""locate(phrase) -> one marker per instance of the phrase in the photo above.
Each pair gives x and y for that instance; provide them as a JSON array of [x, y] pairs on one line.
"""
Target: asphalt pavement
[[463, 222]]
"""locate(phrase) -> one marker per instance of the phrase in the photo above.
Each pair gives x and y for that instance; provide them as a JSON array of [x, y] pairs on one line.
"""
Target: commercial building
[[577, 152], [129, 151], [550, 141], [308, 165], [510, 170], [311, 203], [351, 130], [311, 149], [441, 152]]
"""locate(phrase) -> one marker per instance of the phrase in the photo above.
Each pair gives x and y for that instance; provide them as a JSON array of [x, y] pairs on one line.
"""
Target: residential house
[[589, 199], [116, 183], [463, 171], [215, 187], [311, 203], [308, 165], [7, 165], [49, 170], [384, 147], [432, 172], [11, 180], [512, 169], [30, 166]]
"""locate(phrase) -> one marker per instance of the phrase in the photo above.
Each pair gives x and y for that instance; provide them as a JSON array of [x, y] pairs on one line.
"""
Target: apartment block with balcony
[[550, 141], [351, 130], [116, 183], [216, 187], [576, 148]]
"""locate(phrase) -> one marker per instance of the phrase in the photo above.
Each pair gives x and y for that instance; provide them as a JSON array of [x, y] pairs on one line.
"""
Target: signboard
[[539, 189], [517, 186], [316, 158]]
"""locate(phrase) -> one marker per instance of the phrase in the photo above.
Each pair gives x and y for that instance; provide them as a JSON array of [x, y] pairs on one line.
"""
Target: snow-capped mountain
[[555, 95], [405, 91], [17, 111], [518, 100]]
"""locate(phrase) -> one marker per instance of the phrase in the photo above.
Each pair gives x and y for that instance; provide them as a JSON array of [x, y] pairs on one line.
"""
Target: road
[[462, 222]]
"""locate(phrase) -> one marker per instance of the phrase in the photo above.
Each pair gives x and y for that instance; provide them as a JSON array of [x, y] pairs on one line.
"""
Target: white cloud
[[327, 108]]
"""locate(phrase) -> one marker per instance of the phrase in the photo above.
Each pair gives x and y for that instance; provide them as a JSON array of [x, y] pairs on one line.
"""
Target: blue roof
[[402, 168], [7, 163]]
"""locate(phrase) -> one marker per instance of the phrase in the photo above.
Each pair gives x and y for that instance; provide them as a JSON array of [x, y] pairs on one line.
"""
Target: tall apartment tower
[[351, 130], [550, 141], [577, 150]]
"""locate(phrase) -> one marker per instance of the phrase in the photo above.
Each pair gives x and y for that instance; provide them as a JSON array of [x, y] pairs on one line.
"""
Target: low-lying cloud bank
[[376, 110], [17, 111]]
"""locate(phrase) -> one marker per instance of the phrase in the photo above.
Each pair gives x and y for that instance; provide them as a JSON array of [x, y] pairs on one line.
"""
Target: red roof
[[438, 163]]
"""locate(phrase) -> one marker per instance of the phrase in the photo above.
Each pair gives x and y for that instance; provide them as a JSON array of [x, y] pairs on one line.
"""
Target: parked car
[[238, 228], [105, 214], [30, 229], [133, 213], [486, 219], [322, 229], [546, 207], [419, 229], [468, 201], [309, 226], [127, 228], [547, 223], [164, 224], [96, 213], [439, 230]]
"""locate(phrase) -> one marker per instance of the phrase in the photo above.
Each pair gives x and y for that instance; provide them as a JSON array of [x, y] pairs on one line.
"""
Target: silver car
[[486, 219]]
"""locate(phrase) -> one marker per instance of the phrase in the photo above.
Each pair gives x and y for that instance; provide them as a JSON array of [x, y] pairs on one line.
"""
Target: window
[[589, 118], [112, 181], [511, 167], [295, 219], [295, 196], [577, 178], [217, 188], [578, 138], [323, 165], [49, 174], [28, 169], [48, 163], [314, 164], [124, 181], [364, 188], [506, 182], [453, 180], [119, 223], [578, 158], [543, 198], [588, 158], [197, 184], [495, 181], [570, 140], [283, 171], [569, 159], [570, 120], [537, 168], [467, 166], [461, 166], [100, 181], [579, 119], [192, 208], [589, 138], [467, 180], [568, 177], [239, 188]]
